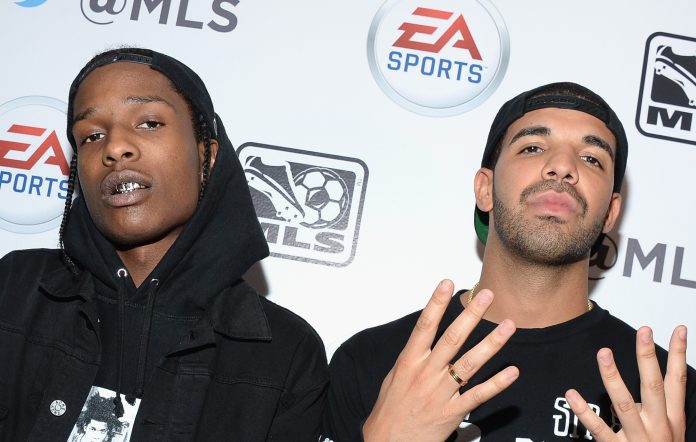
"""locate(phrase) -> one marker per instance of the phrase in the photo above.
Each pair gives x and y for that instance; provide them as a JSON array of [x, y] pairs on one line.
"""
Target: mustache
[[556, 186]]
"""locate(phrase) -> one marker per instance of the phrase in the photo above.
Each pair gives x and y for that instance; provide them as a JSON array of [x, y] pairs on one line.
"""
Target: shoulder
[[296, 346], [27, 267], [258, 338], [32, 257], [29, 279], [621, 337], [611, 323], [287, 326]]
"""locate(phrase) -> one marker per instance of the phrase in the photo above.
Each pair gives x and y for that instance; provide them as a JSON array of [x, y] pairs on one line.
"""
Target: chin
[[132, 235]]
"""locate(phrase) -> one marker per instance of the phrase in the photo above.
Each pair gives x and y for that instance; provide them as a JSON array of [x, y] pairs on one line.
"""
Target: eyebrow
[[84, 114], [531, 131], [592, 140], [143, 99], [133, 99]]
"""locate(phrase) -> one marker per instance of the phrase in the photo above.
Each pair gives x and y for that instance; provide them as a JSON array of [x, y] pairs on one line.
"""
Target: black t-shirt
[[551, 360]]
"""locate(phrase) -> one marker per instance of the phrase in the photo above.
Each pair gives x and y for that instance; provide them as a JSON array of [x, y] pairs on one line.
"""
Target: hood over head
[[221, 240]]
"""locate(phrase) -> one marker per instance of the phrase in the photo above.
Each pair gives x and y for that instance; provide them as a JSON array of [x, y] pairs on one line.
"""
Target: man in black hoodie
[[146, 302]]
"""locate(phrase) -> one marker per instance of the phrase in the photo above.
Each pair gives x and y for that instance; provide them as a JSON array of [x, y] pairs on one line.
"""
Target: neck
[[140, 261], [533, 295]]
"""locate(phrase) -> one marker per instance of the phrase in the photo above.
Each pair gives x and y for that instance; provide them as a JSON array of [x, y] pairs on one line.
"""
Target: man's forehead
[[139, 79], [550, 121]]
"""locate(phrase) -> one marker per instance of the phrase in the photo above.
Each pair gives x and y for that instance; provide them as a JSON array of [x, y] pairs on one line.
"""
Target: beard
[[544, 241]]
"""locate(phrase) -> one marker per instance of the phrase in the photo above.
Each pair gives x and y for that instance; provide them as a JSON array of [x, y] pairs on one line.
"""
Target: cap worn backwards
[[559, 95]]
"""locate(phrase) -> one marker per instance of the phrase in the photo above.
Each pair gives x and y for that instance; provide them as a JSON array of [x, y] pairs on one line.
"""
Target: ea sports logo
[[440, 57], [34, 164]]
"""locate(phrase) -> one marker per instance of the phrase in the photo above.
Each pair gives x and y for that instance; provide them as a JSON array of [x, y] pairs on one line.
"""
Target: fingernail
[[573, 397], [506, 328], [443, 285], [646, 336], [484, 298], [605, 357], [512, 373], [682, 333]]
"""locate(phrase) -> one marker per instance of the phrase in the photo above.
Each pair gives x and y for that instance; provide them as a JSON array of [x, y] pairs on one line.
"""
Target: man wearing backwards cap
[[146, 304], [514, 368]]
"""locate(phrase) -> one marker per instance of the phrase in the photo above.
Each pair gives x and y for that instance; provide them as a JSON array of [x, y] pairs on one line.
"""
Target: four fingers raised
[[660, 415]]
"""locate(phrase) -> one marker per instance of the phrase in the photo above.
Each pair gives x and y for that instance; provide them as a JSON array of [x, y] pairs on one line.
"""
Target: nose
[[561, 166], [119, 147]]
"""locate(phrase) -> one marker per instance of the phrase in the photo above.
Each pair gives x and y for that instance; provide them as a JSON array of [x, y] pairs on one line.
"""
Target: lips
[[125, 187], [554, 203]]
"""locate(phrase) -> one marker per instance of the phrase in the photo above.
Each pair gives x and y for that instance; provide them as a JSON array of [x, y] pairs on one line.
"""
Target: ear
[[483, 189], [213, 152], [612, 212]]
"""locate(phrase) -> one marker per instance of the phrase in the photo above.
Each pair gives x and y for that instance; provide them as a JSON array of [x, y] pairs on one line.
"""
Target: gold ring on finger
[[455, 376]]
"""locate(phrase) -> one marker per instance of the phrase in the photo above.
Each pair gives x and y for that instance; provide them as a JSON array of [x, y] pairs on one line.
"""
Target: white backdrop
[[296, 75]]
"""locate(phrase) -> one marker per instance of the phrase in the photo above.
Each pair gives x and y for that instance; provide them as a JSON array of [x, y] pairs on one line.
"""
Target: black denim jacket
[[249, 370]]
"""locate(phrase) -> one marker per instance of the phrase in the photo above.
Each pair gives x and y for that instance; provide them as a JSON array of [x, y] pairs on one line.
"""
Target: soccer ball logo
[[323, 196]]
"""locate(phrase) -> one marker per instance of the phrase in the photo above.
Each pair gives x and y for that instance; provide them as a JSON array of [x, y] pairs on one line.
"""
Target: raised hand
[[419, 399], [660, 416]]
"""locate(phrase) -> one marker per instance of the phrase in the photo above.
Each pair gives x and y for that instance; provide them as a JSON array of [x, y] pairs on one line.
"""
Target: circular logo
[[440, 57], [34, 164], [58, 407], [30, 3]]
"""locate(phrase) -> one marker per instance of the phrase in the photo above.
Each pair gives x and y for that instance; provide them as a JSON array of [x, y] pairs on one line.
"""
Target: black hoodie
[[220, 242], [210, 358]]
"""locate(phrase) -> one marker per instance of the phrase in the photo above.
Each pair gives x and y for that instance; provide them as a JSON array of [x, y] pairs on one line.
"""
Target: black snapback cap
[[563, 95], [184, 79]]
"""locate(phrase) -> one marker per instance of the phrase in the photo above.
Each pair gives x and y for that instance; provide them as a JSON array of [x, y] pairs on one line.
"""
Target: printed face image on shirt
[[95, 431], [97, 421]]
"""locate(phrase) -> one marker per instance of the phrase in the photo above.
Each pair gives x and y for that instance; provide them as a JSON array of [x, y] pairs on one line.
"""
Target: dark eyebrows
[[594, 140], [84, 114], [133, 99], [144, 99], [531, 131]]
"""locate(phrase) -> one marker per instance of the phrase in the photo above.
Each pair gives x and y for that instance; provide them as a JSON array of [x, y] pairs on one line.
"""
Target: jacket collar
[[237, 314], [62, 283]]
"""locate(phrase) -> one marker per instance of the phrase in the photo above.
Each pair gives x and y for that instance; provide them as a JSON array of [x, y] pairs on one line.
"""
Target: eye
[[531, 149], [150, 124], [91, 138], [593, 161]]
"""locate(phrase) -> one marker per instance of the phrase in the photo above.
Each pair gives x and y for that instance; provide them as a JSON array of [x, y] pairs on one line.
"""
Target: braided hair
[[202, 133]]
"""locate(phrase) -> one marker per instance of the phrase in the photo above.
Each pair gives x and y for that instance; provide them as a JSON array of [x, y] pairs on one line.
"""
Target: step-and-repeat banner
[[367, 121]]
